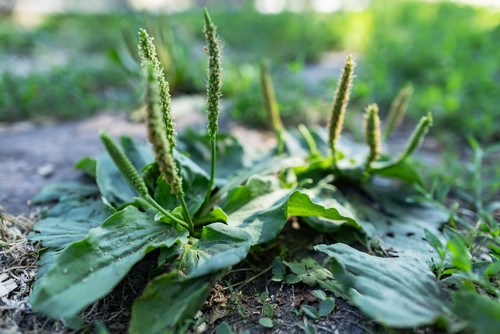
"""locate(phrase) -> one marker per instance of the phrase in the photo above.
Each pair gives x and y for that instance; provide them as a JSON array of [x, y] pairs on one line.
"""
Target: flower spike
[[372, 133], [214, 82], [398, 110], [156, 133], [340, 102], [417, 136], [124, 164], [147, 53]]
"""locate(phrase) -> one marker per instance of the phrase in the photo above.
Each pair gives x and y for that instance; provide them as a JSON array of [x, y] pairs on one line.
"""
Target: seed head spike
[[214, 82], [124, 164], [269, 97], [417, 136], [372, 133], [398, 109], [147, 53], [340, 102], [156, 133]]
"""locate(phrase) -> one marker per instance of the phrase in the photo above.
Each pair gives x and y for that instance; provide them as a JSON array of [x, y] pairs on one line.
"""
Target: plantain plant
[[197, 204], [164, 200]]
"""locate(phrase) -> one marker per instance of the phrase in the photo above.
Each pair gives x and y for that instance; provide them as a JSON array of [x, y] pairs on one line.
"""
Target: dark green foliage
[[449, 53], [75, 91]]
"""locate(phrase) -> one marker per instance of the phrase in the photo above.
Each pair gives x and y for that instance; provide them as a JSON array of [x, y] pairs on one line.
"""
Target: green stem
[[281, 141], [166, 213], [187, 216], [313, 149], [212, 168]]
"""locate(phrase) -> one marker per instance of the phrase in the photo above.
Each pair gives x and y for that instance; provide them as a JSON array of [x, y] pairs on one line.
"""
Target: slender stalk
[[167, 214], [213, 150], [271, 104], [339, 106], [313, 149], [280, 133], [187, 216], [214, 84]]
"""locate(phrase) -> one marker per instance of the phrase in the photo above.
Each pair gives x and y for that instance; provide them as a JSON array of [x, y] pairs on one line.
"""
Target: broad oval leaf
[[481, 312], [167, 303], [322, 207], [69, 221], [403, 170], [219, 247], [90, 268], [397, 292], [259, 207], [400, 226]]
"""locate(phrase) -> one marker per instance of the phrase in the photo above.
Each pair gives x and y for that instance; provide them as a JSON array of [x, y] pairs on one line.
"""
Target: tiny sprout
[[340, 102], [372, 133]]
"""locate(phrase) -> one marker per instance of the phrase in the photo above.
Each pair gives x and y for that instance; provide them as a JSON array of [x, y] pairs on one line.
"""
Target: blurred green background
[[71, 61]]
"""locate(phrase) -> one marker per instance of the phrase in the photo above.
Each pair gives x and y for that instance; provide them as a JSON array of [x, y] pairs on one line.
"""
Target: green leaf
[[320, 294], [311, 273], [397, 292], [87, 165], [219, 247], [460, 256], [292, 279], [278, 271], [140, 154], [322, 207], [266, 322], [216, 215], [112, 184], [326, 307], [402, 170], [259, 208], [69, 221], [66, 190], [90, 268], [482, 313], [230, 154], [399, 226], [224, 328], [308, 327], [268, 310], [167, 303], [310, 311], [433, 240]]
